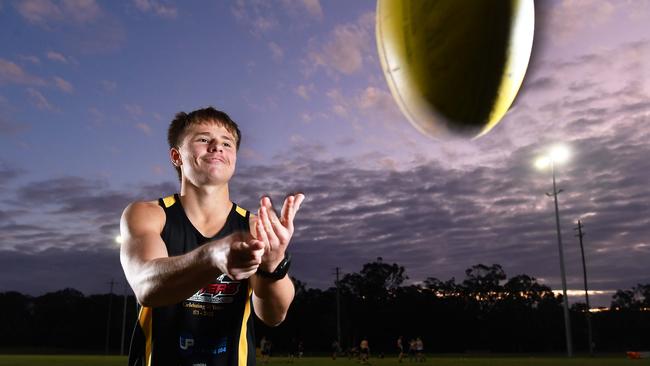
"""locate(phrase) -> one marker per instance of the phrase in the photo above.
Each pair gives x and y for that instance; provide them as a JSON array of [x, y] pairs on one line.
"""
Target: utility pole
[[565, 300], [126, 287], [338, 308], [108, 319], [580, 235]]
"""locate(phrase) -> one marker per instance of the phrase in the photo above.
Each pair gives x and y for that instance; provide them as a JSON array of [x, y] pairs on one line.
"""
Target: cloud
[[38, 11], [438, 221], [297, 9], [81, 23], [32, 59], [567, 17], [277, 54], [45, 11], [262, 17], [257, 15], [8, 173], [304, 91], [39, 100], [144, 128], [12, 73], [63, 84], [434, 219], [82, 11], [346, 48], [376, 99], [157, 8], [134, 110], [108, 85], [55, 56], [10, 128], [370, 104]]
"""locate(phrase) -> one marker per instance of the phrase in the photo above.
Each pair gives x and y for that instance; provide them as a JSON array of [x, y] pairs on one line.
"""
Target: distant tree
[[525, 291], [447, 288], [482, 284], [636, 298], [376, 281], [16, 311], [299, 286]]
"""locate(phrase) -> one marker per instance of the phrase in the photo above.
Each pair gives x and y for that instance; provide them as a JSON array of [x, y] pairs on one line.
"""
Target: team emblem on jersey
[[222, 291]]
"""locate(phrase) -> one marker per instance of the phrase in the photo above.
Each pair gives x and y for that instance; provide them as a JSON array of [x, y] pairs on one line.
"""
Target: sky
[[88, 88]]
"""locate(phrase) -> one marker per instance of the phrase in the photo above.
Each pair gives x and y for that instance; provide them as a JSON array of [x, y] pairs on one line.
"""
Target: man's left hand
[[276, 232]]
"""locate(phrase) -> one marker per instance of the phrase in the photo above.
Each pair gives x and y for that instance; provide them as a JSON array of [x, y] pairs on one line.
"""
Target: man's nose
[[215, 147]]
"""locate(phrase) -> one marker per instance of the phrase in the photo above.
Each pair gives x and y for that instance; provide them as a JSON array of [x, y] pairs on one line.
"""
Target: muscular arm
[[158, 279], [272, 298]]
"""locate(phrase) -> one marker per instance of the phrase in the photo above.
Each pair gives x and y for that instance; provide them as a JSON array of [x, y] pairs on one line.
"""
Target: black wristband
[[280, 271]]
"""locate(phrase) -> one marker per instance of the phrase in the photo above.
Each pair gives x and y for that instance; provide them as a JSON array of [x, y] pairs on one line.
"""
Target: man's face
[[208, 154]]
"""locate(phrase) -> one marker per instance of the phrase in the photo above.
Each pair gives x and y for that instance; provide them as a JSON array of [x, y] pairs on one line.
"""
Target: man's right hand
[[237, 255]]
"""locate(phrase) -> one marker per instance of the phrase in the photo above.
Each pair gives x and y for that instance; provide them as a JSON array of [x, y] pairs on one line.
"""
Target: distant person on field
[[265, 346], [336, 349], [364, 351], [419, 349], [400, 349], [412, 350]]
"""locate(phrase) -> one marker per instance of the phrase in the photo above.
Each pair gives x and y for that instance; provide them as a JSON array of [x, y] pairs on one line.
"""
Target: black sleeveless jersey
[[214, 327]]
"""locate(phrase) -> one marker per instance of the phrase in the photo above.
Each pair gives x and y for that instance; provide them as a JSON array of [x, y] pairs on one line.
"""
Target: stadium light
[[557, 155]]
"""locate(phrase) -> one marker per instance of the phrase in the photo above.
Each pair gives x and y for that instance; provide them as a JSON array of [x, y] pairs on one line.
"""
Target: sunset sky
[[88, 88]]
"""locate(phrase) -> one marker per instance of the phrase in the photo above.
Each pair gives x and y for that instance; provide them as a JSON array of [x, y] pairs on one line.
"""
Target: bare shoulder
[[143, 215]]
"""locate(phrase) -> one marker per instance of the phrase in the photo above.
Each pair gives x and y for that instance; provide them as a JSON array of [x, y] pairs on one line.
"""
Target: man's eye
[[203, 140], [227, 144]]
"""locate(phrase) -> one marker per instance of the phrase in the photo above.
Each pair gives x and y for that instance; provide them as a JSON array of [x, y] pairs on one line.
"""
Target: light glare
[[118, 239], [559, 154], [542, 162]]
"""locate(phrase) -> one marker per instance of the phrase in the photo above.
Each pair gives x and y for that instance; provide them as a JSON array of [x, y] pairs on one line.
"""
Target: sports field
[[44, 360]]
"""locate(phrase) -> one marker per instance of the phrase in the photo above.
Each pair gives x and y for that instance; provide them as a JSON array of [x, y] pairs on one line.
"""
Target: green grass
[[457, 360]]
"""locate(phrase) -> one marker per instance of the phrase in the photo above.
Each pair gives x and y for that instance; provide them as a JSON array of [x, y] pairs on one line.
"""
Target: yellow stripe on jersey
[[240, 211], [169, 201], [145, 320], [243, 340]]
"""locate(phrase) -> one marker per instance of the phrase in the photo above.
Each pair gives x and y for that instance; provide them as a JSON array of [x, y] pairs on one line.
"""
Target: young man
[[198, 263]]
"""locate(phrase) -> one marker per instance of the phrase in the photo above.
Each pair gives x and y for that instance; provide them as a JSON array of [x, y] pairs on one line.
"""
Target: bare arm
[[272, 298], [158, 279]]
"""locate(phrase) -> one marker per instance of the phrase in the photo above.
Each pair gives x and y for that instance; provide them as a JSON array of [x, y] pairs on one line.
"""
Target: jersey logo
[[221, 292]]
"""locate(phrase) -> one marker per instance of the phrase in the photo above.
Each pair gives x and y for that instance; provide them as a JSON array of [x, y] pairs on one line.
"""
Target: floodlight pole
[[108, 318], [584, 272], [338, 308], [126, 286], [565, 300]]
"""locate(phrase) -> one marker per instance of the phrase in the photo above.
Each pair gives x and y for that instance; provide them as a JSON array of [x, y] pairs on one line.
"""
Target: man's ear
[[175, 156]]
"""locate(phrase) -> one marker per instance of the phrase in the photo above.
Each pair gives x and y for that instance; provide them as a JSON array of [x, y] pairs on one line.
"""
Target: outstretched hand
[[238, 255], [276, 232]]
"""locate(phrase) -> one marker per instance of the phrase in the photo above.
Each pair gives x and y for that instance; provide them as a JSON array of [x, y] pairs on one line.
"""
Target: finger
[[278, 231], [266, 202], [269, 228], [259, 228], [256, 245], [273, 217], [286, 208], [297, 201], [247, 254]]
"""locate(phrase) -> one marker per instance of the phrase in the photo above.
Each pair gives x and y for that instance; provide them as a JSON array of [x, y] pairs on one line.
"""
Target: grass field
[[46, 360]]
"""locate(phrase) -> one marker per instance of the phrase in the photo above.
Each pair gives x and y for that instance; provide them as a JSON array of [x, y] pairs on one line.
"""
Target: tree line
[[485, 312]]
